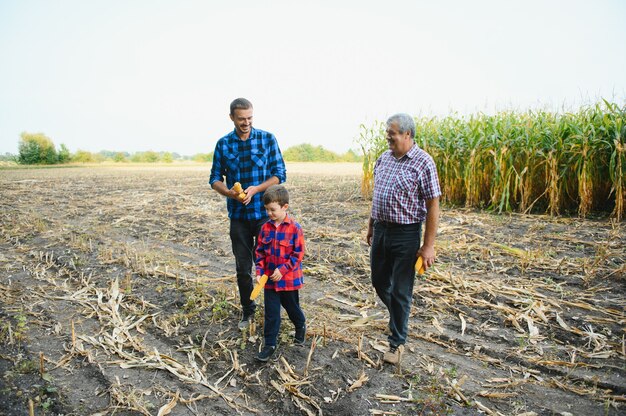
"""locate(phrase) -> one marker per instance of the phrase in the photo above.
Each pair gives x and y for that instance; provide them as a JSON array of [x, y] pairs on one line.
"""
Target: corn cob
[[419, 265], [259, 286], [237, 188]]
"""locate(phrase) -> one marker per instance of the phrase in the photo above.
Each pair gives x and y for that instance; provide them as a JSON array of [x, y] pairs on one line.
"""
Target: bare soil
[[118, 296]]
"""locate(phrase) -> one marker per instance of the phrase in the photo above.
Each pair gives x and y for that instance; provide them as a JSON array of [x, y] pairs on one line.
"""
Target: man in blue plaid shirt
[[252, 158]]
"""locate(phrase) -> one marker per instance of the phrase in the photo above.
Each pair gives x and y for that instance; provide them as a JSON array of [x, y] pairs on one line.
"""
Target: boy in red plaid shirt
[[279, 253]]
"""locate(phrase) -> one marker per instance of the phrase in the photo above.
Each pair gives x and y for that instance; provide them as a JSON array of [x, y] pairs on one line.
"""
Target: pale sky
[[159, 75]]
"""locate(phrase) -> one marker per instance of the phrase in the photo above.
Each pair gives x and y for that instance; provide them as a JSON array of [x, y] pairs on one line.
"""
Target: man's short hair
[[239, 104], [276, 193], [404, 122]]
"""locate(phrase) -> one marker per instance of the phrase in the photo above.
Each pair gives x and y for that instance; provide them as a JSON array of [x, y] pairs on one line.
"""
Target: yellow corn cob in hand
[[259, 286], [419, 265], [237, 188]]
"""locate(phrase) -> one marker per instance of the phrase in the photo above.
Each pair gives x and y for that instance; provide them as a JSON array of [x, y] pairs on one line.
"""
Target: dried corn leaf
[[496, 395], [391, 398], [511, 250], [463, 324], [562, 323], [167, 408], [533, 331], [538, 308], [437, 326], [358, 383]]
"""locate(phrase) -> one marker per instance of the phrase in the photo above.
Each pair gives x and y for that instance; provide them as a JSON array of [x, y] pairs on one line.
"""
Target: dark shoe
[[245, 321], [266, 353], [300, 336], [394, 355]]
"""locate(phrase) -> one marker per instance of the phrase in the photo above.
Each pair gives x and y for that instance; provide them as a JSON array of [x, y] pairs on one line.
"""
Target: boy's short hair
[[276, 193]]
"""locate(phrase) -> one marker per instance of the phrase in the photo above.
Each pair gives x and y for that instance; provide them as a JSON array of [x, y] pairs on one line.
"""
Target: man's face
[[399, 143], [242, 118]]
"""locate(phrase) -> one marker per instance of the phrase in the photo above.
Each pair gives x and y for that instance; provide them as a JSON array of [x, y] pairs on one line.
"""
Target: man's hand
[[250, 191], [276, 276], [427, 251], [370, 233], [231, 193], [428, 256]]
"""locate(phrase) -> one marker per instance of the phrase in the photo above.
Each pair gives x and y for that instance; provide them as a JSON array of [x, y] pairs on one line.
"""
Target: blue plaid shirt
[[249, 162]]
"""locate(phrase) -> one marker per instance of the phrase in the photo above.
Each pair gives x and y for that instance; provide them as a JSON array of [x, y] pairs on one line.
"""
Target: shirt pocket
[[406, 182], [286, 248], [232, 162], [258, 156]]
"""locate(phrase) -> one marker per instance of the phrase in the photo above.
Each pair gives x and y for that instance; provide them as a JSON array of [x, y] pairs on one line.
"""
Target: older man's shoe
[[394, 355]]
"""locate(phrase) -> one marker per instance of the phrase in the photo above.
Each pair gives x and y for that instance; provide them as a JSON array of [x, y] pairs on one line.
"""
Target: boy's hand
[[276, 276]]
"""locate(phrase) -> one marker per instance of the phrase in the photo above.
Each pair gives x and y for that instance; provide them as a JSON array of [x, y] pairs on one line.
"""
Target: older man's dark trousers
[[392, 261], [243, 235]]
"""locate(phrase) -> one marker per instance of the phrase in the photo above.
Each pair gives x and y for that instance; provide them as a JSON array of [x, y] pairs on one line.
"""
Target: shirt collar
[[233, 134], [413, 151], [287, 220]]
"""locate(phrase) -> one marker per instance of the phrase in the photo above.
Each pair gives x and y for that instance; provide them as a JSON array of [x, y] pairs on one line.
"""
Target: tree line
[[38, 149]]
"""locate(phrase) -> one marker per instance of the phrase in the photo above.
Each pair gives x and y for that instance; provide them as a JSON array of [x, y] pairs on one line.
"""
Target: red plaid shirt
[[281, 247]]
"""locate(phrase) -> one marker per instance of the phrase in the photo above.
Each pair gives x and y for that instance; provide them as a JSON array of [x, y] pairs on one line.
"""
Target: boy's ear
[[286, 206]]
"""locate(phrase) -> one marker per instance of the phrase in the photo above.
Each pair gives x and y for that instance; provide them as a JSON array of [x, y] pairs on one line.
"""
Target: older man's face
[[399, 143]]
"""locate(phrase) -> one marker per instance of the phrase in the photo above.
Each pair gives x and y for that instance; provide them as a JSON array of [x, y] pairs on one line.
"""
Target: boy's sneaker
[[300, 336], [245, 322], [394, 355], [266, 353]]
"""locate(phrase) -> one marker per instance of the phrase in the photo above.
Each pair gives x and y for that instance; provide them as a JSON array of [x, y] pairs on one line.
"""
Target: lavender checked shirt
[[402, 186]]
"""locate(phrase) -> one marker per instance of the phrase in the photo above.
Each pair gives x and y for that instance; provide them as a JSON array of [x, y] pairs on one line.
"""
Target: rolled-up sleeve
[[276, 162], [217, 169]]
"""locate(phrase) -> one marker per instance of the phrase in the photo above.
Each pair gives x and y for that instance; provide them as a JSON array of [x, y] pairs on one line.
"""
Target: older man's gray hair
[[403, 122]]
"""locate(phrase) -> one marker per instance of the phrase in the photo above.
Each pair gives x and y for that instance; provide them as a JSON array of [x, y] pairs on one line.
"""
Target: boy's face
[[276, 212]]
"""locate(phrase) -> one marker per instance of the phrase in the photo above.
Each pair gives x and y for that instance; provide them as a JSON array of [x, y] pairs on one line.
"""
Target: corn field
[[534, 161]]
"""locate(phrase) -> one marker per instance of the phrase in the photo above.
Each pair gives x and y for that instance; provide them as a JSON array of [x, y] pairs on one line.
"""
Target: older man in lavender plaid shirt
[[406, 195]]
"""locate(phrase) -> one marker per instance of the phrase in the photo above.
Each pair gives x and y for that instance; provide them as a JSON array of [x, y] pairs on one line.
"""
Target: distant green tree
[[8, 157], [203, 157], [64, 155], [83, 156], [309, 153], [351, 156], [119, 157], [167, 157], [107, 154], [36, 148], [151, 156]]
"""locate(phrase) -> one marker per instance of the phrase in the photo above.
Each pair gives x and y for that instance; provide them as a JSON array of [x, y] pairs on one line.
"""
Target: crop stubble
[[520, 314]]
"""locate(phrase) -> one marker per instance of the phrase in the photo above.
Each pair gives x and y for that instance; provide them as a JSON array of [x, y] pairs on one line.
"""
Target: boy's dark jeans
[[290, 300], [392, 260], [243, 235]]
